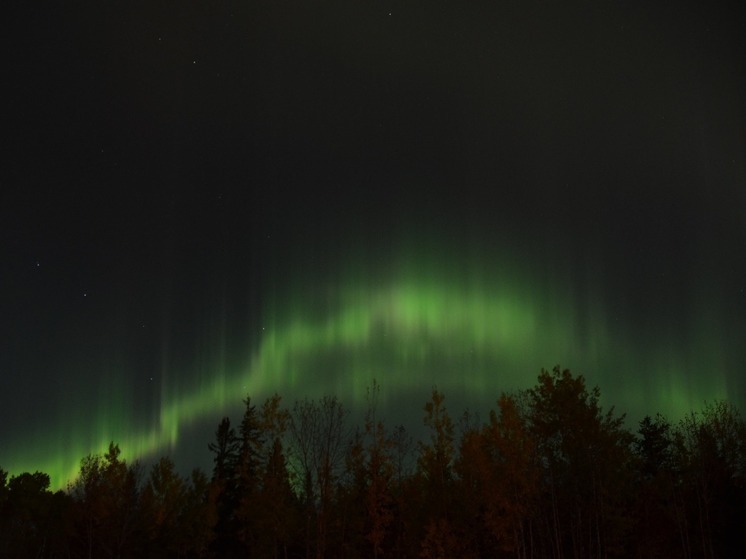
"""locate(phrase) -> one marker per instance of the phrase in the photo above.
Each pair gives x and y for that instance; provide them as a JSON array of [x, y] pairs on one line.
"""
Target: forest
[[548, 474]]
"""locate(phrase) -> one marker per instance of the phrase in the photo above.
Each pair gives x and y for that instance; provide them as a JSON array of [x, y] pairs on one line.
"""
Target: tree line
[[548, 474]]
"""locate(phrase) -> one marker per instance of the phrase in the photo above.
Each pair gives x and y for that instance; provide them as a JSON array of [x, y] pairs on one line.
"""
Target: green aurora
[[250, 198], [468, 325]]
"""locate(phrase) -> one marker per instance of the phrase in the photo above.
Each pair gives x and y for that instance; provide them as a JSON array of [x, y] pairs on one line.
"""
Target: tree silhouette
[[226, 450], [32, 519], [319, 438], [371, 469], [659, 506], [709, 450], [198, 517], [224, 494], [586, 463], [549, 474], [163, 500], [106, 495], [250, 465], [268, 508], [435, 470], [501, 463]]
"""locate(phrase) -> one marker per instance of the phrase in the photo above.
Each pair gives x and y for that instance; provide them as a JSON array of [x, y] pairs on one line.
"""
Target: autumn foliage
[[550, 473]]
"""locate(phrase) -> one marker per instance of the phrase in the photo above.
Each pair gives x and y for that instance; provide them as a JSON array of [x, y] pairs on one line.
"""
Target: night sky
[[204, 200]]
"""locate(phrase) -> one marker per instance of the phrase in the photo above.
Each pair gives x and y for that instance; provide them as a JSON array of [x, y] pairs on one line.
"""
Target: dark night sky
[[206, 199]]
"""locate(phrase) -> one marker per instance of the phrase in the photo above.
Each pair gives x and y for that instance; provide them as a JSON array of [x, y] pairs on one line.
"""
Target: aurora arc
[[475, 337]]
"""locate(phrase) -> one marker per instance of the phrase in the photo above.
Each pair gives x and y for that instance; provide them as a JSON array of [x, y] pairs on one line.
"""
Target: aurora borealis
[[472, 334], [207, 202]]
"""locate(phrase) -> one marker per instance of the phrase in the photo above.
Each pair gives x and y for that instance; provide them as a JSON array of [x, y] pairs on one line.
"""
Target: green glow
[[473, 331]]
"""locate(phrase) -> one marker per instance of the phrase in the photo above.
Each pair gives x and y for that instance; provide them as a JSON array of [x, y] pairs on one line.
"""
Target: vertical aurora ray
[[354, 195], [472, 325]]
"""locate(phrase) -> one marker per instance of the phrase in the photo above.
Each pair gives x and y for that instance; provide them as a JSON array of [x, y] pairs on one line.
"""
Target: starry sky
[[204, 200]]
